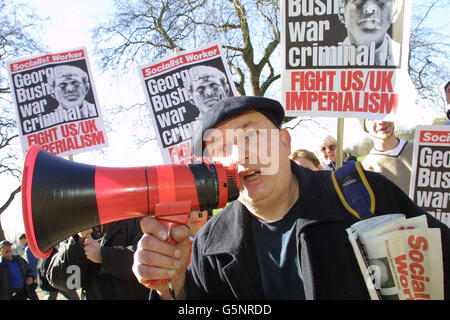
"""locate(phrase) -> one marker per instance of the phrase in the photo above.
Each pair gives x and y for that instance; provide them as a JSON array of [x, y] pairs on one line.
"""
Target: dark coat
[[113, 278], [224, 262], [42, 271], [5, 276]]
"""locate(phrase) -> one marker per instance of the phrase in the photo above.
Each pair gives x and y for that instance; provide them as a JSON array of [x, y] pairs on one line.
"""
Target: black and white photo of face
[[70, 86], [368, 20], [207, 86]]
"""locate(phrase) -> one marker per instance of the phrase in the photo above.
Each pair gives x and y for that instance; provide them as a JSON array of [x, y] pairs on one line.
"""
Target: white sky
[[69, 27], [70, 21]]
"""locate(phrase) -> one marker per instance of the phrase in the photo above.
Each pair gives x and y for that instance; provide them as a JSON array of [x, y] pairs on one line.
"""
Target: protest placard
[[430, 175], [56, 103], [399, 258], [179, 88], [344, 58]]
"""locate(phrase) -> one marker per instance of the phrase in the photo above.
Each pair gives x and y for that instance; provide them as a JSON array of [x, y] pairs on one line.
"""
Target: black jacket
[[42, 268], [224, 263], [113, 278], [5, 276]]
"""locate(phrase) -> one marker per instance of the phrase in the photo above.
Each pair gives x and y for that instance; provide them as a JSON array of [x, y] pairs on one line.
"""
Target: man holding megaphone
[[285, 236], [61, 198]]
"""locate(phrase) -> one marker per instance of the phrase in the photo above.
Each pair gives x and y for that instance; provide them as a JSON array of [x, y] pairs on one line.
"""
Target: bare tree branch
[[150, 29], [10, 199], [19, 29]]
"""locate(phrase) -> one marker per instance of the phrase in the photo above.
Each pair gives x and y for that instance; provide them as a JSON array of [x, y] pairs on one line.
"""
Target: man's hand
[[29, 281], [157, 259], [92, 249], [83, 235]]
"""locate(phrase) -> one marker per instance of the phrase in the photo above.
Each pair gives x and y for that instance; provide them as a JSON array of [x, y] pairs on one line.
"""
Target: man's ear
[[87, 86], [285, 139]]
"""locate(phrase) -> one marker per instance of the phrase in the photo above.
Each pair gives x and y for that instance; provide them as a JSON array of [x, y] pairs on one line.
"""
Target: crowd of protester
[[105, 256]]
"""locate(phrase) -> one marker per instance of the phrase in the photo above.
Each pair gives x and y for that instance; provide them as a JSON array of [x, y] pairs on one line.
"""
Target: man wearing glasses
[[328, 149]]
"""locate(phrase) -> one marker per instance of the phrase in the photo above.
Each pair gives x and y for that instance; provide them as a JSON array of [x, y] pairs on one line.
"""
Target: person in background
[[15, 274], [328, 151], [51, 293], [197, 220], [104, 256], [19, 245], [306, 159], [351, 157], [447, 92], [447, 98], [32, 263], [390, 155]]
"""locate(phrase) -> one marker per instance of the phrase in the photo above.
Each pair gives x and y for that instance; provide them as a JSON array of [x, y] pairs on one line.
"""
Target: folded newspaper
[[400, 259]]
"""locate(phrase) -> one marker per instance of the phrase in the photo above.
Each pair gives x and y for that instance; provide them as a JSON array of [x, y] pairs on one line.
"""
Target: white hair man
[[69, 86], [207, 86]]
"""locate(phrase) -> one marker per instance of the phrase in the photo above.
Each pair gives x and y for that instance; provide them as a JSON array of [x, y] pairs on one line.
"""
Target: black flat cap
[[4, 243], [231, 107]]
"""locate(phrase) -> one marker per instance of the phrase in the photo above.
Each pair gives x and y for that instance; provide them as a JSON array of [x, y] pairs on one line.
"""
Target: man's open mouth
[[251, 175]]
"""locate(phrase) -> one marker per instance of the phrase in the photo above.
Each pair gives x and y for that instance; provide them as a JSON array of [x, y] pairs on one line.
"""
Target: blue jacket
[[224, 263], [5, 277], [32, 260]]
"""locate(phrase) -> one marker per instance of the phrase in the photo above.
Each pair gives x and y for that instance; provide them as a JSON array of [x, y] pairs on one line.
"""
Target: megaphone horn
[[62, 197]]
